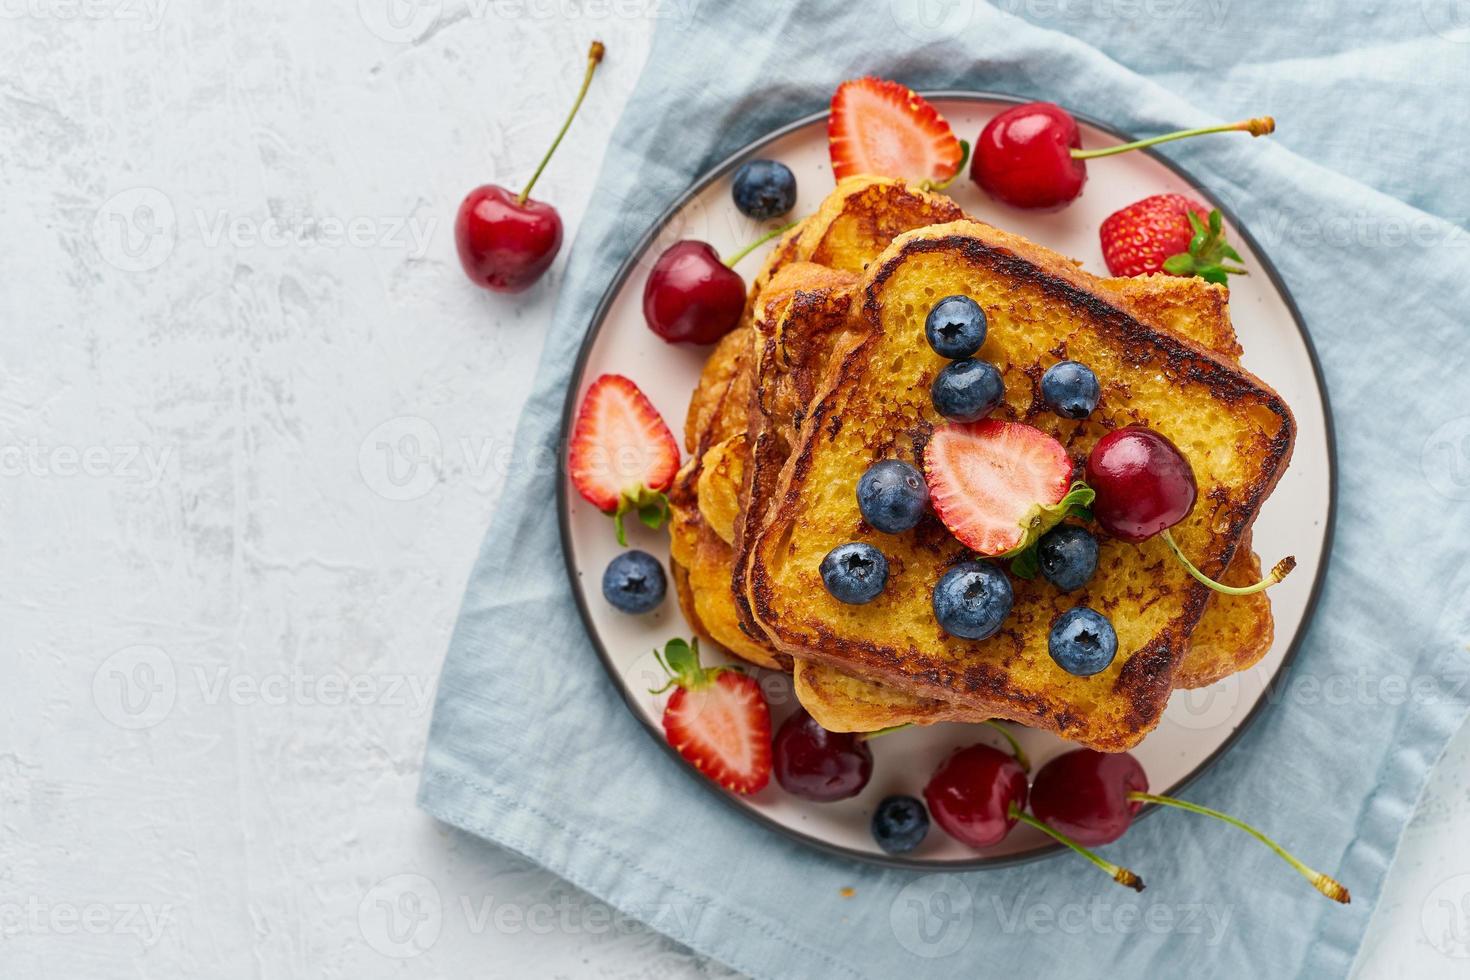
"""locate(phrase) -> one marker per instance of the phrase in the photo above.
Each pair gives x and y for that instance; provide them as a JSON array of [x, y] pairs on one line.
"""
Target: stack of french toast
[[829, 373]]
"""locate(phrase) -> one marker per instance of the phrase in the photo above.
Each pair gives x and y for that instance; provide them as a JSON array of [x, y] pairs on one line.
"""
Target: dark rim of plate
[[599, 318]]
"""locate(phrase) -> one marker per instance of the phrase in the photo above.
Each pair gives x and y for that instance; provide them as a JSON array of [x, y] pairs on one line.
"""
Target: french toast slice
[[846, 226], [1233, 635], [851, 227], [875, 403]]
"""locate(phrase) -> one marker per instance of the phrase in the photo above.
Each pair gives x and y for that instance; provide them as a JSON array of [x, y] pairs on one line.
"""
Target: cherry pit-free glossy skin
[[505, 244], [691, 296], [1031, 156], [1144, 484], [819, 765], [1024, 157], [1084, 794], [1092, 797], [975, 795], [505, 240], [979, 793]]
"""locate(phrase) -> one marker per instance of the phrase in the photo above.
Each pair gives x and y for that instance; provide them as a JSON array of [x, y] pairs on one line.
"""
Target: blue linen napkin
[[532, 748]]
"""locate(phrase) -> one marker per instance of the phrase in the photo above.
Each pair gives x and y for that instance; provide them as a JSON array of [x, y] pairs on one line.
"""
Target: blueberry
[[764, 189], [955, 327], [634, 582], [892, 496], [1082, 641], [972, 599], [1070, 389], [855, 573], [1067, 555], [967, 391], [899, 824]]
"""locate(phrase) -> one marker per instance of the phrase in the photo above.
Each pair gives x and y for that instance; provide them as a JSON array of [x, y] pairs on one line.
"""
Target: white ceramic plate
[[1197, 726]]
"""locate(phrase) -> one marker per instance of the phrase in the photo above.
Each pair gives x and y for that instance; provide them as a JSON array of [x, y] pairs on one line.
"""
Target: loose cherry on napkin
[[507, 241]]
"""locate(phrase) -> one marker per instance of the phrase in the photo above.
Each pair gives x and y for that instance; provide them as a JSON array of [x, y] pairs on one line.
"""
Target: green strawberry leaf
[[1180, 265], [1042, 518], [680, 660], [1208, 252], [651, 506], [1026, 565]]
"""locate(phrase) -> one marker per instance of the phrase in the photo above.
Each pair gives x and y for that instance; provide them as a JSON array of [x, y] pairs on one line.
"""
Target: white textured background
[[253, 421]]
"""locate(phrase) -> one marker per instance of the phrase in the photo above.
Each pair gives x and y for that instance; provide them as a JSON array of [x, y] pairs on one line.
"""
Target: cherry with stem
[[1144, 486], [1092, 797], [979, 793], [694, 297], [505, 240], [1031, 155]]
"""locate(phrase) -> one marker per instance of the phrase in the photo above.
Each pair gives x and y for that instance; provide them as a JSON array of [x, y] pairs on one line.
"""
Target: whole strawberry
[[1168, 233], [717, 719]]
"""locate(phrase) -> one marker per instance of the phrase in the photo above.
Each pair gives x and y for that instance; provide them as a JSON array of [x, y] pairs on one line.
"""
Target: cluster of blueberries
[[973, 598]]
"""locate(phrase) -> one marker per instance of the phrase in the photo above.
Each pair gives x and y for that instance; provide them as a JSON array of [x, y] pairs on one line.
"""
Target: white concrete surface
[[252, 424]]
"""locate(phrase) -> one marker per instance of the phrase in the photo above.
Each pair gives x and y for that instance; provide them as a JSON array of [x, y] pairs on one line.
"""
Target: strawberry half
[[623, 456], [717, 719], [886, 129], [998, 486], [1167, 233]]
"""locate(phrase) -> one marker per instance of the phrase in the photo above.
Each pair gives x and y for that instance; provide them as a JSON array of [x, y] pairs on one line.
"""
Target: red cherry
[[691, 296], [1144, 484], [976, 795], [819, 765], [979, 794], [1084, 794], [506, 240], [505, 244], [1024, 157], [1090, 798], [1031, 155]]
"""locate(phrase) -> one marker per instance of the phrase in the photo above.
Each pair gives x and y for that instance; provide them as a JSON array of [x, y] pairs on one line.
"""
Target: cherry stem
[[1259, 126], [1118, 873], [1327, 886], [1281, 569], [594, 57], [733, 260], [1016, 749]]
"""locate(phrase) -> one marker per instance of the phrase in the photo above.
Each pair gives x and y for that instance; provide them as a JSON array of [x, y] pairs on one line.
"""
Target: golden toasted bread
[[875, 404], [1234, 633], [1232, 636], [852, 226]]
